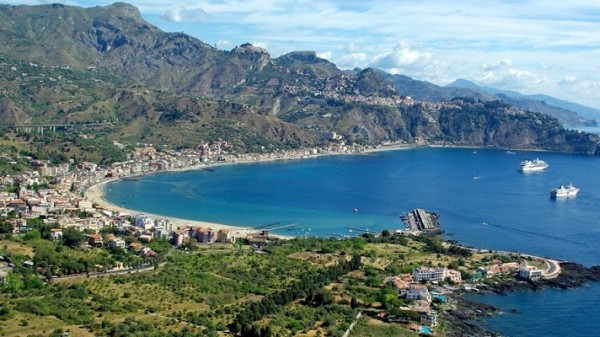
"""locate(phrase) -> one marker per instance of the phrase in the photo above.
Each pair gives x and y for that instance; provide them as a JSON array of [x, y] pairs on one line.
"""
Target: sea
[[481, 198]]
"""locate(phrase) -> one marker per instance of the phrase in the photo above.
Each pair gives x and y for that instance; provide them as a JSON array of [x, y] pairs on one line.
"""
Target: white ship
[[564, 191], [533, 165]]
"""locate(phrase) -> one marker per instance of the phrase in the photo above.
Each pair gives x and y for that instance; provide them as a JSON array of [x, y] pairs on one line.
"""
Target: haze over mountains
[[70, 64], [568, 113]]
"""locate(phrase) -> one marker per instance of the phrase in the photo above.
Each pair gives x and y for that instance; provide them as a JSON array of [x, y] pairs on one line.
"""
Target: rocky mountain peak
[[126, 9], [248, 48], [309, 57]]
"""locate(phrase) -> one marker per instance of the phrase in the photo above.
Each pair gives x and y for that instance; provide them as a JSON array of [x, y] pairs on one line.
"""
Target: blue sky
[[532, 46]]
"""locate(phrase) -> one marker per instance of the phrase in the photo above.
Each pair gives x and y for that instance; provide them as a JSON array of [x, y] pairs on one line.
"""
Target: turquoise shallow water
[[500, 209]]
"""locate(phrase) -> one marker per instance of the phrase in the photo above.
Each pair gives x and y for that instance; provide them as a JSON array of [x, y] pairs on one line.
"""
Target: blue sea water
[[483, 201]]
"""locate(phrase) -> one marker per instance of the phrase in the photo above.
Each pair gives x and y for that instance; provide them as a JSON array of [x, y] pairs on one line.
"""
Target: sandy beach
[[95, 193]]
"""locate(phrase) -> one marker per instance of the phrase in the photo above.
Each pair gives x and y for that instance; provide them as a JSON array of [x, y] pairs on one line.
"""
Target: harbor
[[422, 221]]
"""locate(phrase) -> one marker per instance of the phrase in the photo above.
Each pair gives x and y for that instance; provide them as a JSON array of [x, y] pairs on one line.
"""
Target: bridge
[[39, 128]]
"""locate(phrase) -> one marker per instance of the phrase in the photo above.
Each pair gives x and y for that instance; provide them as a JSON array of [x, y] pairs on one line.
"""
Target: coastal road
[[552, 266]]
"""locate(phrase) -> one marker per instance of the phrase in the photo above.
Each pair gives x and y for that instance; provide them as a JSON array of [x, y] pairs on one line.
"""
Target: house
[[145, 238], [400, 283], [162, 233], [530, 272], [56, 233], [418, 292], [136, 247], [95, 240], [202, 235], [178, 237], [84, 205], [223, 235], [206, 235], [118, 266], [428, 318], [148, 252], [17, 204], [454, 276], [258, 239], [509, 267], [116, 242]]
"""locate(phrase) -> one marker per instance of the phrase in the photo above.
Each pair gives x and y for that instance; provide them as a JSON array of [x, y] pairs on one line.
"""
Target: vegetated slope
[[75, 65], [41, 95], [567, 113], [423, 90]]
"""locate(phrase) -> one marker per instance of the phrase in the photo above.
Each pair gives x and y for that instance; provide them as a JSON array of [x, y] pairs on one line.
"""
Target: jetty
[[423, 221], [364, 230], [274, 226]]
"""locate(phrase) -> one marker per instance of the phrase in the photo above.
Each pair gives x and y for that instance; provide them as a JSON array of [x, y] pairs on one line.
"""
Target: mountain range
[[567, 113], [66, 64]]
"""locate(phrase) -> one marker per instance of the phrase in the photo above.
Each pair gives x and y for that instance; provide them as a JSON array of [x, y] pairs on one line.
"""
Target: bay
[[483, 201]]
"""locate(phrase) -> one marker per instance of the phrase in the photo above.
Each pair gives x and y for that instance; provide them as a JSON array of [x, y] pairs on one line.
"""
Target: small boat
[[564, 191]]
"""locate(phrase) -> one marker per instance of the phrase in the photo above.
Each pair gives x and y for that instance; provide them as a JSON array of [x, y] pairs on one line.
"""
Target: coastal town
[[68, 197], [60, 194]]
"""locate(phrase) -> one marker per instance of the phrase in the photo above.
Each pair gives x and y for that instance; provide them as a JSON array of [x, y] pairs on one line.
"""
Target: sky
[[531, 46]]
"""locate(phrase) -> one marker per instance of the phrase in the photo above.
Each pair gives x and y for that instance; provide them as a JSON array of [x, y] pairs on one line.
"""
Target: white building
[[437, 274], [530, 273], [143, 221], [418, 292], [430, 274]]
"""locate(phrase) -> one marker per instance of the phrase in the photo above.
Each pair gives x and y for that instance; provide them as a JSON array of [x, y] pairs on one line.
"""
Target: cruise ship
[[564, 191], [533, 165]]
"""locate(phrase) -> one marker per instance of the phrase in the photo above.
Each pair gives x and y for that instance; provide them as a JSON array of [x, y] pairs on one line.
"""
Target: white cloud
[[181, 13], [261, 44], [401, 56], [223, 44], [569, 81], [404, 59], [352, 60], [504, 75], [498, 65]]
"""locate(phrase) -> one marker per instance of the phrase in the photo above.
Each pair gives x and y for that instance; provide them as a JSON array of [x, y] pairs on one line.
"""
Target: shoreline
[[459, 324], [96, 194]]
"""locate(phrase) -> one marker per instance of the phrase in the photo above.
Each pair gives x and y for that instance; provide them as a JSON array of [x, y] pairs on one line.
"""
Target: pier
[[364, 230], [338, 235], [274, 226], [420, 220]]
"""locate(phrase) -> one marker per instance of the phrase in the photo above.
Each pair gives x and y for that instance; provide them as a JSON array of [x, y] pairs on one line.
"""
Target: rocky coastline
[[462, 320]]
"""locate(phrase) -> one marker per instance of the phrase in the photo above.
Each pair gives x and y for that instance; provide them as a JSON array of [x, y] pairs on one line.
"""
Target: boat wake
[[533, 233]]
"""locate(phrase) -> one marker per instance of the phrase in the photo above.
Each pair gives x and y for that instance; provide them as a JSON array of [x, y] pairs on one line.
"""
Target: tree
[[5, 227], [73, 238], [33, 234]]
